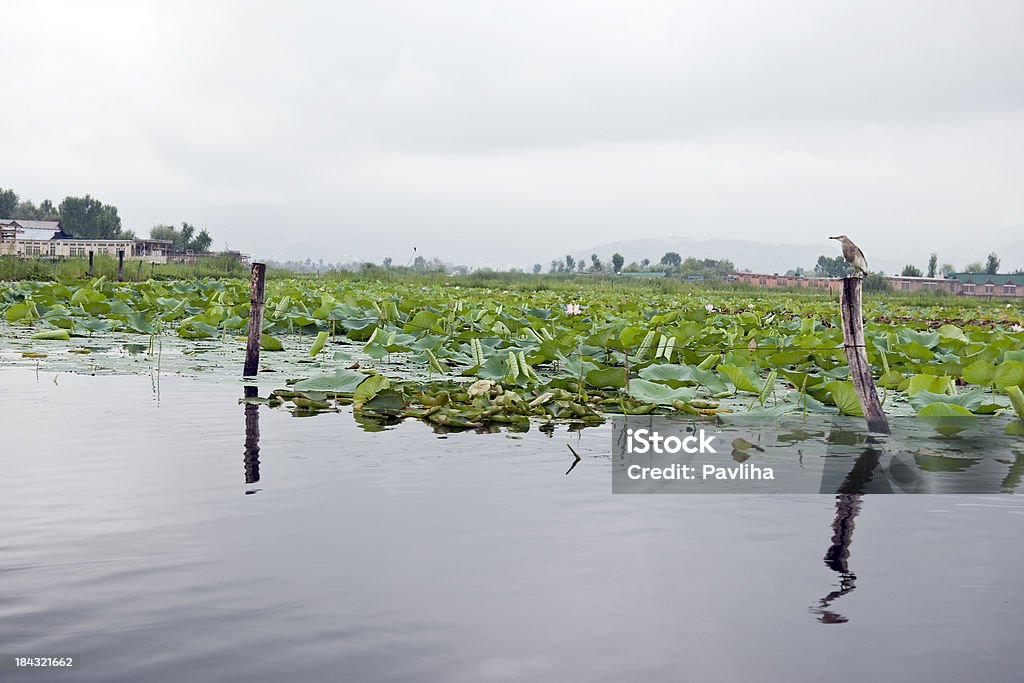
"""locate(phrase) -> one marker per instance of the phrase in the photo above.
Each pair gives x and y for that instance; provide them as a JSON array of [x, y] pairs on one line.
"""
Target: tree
[[646, 262], [974, 267], [537, 268], [8, 203], [596, 264], [911, 271], [386, 262], [992, 265], [617, 261], [580, 266], [88, 217], [947, 270], [201, 244], [671, 259], [933, 264], [876, 282], [833, 266], [570, 262], [183, 240]]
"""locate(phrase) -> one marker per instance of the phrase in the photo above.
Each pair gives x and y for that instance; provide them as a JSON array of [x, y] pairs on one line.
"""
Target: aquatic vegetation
[[466, 357]]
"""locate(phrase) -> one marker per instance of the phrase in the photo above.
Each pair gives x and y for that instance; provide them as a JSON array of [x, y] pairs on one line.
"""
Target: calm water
[[130, 537]]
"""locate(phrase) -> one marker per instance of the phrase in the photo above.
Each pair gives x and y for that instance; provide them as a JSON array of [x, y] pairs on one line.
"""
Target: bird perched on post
[[853, 255]]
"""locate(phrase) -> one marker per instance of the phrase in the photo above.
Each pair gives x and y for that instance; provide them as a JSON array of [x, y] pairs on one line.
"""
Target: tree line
[[837, 266], [671, 263], [89, 218]]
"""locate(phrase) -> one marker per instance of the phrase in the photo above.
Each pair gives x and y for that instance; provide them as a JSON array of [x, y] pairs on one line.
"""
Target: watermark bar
[[812, 454]]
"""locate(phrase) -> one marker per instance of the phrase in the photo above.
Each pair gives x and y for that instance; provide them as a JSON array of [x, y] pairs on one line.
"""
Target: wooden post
[[856, 354], [252, 347], [138, 272], [120, 265], [90, 263]]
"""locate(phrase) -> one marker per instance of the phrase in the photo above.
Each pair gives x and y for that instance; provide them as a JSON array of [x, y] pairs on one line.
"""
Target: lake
[[142, 535]]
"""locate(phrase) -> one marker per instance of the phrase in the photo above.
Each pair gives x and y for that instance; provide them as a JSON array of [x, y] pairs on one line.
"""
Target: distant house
[[642, 273], [984, 284], [192, 257], [776, 280], [907, 283], [45, 239]]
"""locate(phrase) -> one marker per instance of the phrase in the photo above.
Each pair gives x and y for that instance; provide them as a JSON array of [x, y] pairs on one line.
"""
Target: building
[[776, 280], [984, 284], [192, 258], [642, 273], [965, 284], [45, 239], [906, 283]]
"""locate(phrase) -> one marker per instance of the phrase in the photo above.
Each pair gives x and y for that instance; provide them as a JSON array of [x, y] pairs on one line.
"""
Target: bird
[[853, 255]]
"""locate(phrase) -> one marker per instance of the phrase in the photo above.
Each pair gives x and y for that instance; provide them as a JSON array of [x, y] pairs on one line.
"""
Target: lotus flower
[[708, 307], [1016, 328], [573, 309]]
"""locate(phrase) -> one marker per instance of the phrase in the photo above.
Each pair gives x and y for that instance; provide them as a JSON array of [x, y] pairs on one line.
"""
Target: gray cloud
[[513, 132]]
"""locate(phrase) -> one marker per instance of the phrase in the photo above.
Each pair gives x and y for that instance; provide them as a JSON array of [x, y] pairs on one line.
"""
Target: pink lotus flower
[[573, 309], [709, 308]]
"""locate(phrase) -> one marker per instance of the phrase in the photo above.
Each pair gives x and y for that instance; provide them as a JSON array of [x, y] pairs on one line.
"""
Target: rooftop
[[52, 226], [990, 278]]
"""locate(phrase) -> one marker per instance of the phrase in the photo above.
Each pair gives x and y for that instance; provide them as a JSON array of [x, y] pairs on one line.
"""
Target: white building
[[45, 239]]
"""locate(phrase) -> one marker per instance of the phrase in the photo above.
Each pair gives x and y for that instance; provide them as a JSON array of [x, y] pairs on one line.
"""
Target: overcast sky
[[514, 132]]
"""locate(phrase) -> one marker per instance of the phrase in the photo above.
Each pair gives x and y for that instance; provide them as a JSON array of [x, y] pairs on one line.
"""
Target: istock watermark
[[645, 440], [809, 454]]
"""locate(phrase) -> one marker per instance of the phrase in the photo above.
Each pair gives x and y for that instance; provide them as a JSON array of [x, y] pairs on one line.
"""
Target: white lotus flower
[[1016, 328], [573, 309], [708, 307], [750, 305]]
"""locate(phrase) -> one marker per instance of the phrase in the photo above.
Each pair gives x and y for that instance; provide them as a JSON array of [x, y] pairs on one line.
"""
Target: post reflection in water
[[838, 554], [252, 439], [848, 503]]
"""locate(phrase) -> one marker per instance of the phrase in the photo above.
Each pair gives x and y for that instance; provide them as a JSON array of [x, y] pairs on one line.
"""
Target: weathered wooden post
[[138, 272], [857, 356], [252, 346], [120, 265], [90, 263]]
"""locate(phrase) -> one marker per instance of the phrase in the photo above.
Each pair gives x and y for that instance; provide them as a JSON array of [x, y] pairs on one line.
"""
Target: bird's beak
[[834, 238]]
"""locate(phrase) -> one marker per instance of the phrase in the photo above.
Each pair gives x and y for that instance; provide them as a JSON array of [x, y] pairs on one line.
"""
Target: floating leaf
[[52, 335], [650, 392], [341, 382]]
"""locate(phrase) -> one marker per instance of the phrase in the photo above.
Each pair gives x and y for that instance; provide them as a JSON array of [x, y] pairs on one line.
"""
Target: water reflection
[[838, 554], [252, 439]]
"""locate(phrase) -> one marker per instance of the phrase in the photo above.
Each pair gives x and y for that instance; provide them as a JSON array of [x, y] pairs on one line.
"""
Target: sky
[[508, 133]]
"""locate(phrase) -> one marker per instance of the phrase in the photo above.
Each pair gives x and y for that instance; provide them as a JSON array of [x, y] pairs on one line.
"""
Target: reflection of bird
[[853, 255]]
